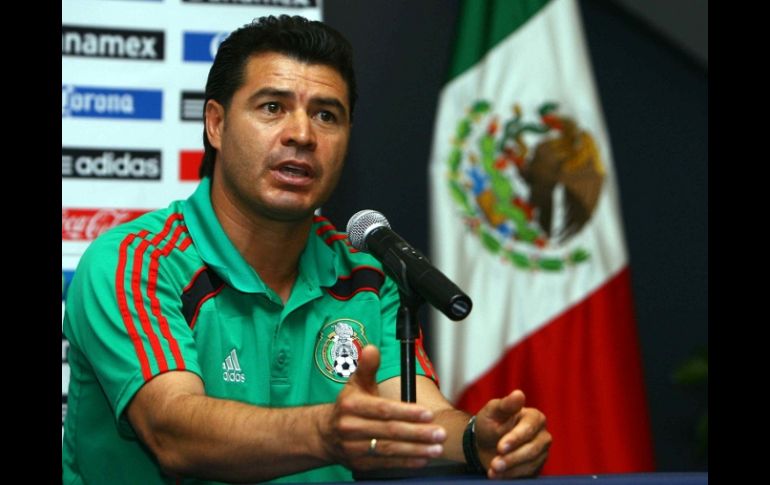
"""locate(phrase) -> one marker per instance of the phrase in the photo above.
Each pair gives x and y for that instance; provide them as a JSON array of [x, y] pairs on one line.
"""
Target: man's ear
[[214, 118]]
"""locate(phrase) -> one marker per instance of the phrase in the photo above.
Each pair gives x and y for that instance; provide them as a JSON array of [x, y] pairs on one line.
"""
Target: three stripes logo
[[232, 368]]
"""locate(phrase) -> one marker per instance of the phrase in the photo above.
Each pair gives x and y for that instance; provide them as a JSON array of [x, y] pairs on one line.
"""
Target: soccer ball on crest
[[345, 365]]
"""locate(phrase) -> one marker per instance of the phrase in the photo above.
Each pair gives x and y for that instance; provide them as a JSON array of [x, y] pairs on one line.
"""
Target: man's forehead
[[277, 69]]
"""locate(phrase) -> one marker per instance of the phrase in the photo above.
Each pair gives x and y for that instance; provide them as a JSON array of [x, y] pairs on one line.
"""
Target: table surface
[[688, 478]]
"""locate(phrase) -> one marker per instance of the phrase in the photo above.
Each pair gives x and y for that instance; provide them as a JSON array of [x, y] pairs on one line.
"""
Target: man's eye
[[272, 107], [326, 116]]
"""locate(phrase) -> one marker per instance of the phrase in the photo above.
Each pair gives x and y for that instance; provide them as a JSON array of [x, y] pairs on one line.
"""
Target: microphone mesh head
[[361, 224]]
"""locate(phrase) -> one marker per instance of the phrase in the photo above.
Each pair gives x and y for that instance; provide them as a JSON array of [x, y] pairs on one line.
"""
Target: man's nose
[[299, 131]]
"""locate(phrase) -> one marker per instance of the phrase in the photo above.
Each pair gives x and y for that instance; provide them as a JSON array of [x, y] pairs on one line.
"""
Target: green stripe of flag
[[483, 24]]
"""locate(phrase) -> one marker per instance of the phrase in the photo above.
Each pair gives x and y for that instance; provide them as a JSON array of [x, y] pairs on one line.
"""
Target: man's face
[[282, 143]]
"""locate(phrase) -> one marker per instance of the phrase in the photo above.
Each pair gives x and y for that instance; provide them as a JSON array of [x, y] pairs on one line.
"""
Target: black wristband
[[470, 449]]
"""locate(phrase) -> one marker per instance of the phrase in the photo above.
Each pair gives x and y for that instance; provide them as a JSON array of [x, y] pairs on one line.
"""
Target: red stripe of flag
[[583, 370]]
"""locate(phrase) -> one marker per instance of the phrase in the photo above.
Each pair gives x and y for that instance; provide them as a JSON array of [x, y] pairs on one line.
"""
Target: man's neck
[[271, 247]]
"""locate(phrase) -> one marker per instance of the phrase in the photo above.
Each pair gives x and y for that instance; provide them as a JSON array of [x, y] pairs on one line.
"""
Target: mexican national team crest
[[525, 188], [338, 347]]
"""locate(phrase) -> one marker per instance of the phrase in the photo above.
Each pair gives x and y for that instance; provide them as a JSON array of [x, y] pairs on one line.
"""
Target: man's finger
[[374, 407], [365, 376], [503, 409], [531, 422], [523, 461], [384, 449], [391, 454], [521, 470], [355, 428]]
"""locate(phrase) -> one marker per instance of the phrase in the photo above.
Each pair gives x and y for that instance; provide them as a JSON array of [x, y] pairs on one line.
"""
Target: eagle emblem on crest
[[526, 187]]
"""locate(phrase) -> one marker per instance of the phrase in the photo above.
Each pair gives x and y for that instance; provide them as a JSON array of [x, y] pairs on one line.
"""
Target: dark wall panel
[[655, 102]]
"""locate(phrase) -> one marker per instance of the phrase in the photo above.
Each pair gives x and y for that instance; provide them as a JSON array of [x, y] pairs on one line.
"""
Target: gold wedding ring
[[372, 447]]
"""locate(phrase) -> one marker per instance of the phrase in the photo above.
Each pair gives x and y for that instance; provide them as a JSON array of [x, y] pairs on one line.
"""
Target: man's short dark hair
[[307, 41]]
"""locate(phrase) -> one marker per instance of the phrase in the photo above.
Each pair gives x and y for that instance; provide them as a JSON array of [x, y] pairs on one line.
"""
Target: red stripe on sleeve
[[136, 287], [323, 229], [328, 226], [350, 246], [425, 362], [120, 292], [336, 237], [155, 303], [144, 318], [185, 244]]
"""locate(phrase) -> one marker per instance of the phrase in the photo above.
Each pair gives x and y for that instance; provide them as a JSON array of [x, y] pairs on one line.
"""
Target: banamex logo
[[87, 41]]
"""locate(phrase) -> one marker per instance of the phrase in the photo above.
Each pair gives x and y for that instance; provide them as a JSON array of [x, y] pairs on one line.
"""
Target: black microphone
[[370, 232]]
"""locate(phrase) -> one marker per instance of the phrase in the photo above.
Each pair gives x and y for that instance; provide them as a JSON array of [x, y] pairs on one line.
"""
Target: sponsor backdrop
[[133, 74]]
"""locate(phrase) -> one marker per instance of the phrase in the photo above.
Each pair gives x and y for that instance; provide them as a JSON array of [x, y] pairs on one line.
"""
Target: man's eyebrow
[[274, 92], [330, 102]]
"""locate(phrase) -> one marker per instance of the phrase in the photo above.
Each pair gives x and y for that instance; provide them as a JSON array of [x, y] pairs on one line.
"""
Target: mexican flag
[[526, 219]]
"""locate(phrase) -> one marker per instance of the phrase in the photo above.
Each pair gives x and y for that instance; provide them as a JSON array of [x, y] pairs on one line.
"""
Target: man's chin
[[289, 212], [290, 207]]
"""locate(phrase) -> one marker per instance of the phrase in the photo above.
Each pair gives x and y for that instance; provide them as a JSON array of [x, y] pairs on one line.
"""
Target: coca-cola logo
[[87, 224]]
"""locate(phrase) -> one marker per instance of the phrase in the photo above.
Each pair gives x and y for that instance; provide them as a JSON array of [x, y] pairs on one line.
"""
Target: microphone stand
[[408, 331]]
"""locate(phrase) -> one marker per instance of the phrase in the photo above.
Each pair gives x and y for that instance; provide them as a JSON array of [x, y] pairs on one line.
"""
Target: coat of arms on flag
[[505, 176]]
